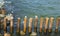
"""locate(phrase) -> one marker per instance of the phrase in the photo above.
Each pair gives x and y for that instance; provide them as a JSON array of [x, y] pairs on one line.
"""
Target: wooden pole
[[18, 25], [35, 24], [57, 24], [41, 23], [11, 24], [0, 11], [3, 11], [0, 25], [25, 22], [30, 25], [5, 27], [46, 24], [51, 23]]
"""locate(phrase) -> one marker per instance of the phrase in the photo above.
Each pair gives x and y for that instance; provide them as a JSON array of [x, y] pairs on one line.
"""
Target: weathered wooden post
[[0, 11], [57, 24], [5, 27], [24, 30], [3, 11], [50, 25], [35, 27], [11, 25], [25, 22], [30, 25], [41, 23], [46, 25], [35, 23], [0, 25], [18, 26]]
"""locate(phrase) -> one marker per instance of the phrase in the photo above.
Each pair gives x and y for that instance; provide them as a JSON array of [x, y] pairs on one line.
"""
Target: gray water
[[30, 8]]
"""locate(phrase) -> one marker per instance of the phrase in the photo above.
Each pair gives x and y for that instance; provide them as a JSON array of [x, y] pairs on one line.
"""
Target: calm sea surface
[[34, 7], [30, 8]]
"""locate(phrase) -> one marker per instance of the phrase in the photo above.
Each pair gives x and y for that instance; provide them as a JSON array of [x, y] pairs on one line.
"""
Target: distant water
[[31, 8], [1, 0], [35, 7]]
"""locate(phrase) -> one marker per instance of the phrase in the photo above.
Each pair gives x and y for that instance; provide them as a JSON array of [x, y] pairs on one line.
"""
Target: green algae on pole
[[5, 27], [11, 25], [46, 24], [41, 23], [30, 25], [50, 25], [25, 22], [57, 24], [18, 26], [35, 23]]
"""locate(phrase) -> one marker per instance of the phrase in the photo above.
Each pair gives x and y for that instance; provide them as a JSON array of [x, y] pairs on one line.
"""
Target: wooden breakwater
[[42, 22]]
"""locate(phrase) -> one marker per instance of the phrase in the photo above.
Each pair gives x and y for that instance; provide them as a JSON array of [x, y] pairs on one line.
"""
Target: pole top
[[36, 16], [25, 16], [18, 18], [47, 18], [12, 18], [52, 18]]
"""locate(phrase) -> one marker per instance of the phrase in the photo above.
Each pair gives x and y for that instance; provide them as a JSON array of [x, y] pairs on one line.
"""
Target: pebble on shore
[[22, 33], [33, 34], [7, 34]]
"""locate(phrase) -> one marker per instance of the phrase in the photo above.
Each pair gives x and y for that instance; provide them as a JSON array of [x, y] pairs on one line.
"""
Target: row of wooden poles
[[51, 19]]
